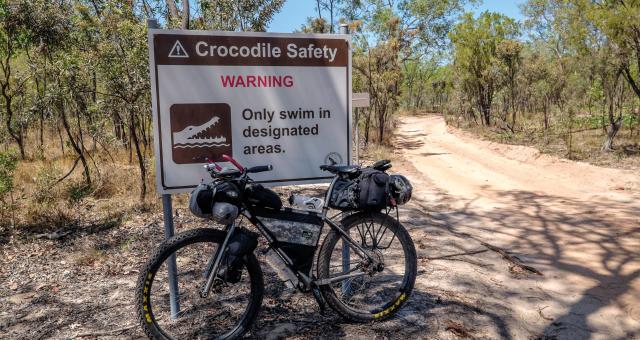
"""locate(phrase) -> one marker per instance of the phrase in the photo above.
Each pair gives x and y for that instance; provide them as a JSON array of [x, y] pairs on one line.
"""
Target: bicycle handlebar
[[215, 170], [259, 168]]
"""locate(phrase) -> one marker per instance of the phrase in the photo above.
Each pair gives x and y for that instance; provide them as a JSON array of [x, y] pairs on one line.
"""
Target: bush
[[46, 178], [8, 164], [76, 191]]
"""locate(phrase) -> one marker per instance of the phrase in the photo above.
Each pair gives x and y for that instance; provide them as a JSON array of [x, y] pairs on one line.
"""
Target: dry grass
[[42, 202], [374, 152], [583, 145]]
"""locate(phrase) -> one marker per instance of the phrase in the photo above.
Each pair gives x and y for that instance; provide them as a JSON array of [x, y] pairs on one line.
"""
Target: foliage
[[232, 15], [8, 164], [477, 42]]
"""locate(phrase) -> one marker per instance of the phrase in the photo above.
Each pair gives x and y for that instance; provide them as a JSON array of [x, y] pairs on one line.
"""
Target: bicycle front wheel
[[362, 291], [226, 313]]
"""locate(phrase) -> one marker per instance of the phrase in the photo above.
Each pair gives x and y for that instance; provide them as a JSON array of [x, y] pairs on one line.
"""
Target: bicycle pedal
[[322, 304]]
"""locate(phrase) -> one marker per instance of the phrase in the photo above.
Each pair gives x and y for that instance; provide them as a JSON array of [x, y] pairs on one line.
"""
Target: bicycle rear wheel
[[226, 313], [374, 293]]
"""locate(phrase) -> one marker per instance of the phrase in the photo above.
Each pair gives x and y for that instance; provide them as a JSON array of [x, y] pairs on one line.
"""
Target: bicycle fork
[[214, 262]]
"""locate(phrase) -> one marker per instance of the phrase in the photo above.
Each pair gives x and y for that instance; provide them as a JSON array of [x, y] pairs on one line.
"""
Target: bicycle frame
[[306, 279]]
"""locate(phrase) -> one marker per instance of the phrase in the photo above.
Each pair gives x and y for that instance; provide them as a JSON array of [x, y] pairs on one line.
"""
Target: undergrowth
[[579, 140]]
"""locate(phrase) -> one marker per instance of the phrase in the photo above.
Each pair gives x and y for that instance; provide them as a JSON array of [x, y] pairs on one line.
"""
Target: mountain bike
[[365, 265]]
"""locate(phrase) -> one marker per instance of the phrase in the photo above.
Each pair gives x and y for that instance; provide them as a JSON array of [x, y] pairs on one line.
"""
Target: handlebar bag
[[205, 195], [297, 233], [261, 197], [201, 200]]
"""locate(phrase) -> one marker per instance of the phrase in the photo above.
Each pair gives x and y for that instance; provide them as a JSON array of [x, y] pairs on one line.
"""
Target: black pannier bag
[[344, 195], [373, 189], [367, 192], [296, 231], [205, 195], [261, 197]]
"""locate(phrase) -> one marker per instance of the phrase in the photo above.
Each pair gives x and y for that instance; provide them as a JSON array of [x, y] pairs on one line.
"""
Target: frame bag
[[261, 197], [297, 233]]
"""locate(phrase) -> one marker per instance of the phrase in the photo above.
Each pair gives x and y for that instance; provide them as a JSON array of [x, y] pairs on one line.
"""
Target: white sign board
[[361, 99], [261, 98]]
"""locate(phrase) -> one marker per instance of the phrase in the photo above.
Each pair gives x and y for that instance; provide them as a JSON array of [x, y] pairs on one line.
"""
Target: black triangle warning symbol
[[178, 51]]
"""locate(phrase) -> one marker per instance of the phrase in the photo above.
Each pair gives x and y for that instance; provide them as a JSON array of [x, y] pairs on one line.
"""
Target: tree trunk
[[60, 137], [545, 108], [16, 135], [172, 10], [486, 115], [612, 131], [74, 145], [367, 126], [136, 142], [185, 14]]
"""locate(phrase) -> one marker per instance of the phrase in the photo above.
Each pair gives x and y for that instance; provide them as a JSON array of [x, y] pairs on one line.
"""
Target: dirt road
[[578, 224]]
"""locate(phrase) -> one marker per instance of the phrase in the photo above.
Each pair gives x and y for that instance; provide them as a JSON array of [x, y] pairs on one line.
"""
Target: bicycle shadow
[[424, 313]]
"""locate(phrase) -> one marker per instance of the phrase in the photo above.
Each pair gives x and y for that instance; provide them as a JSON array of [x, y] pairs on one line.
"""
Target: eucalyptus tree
[[391, 36], [509, 54], [121, 59], [475, 42], [14, 37], [237, 15], [603, 37]]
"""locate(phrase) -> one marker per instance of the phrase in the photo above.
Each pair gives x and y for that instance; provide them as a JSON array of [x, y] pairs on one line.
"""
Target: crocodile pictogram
[[194, 136]]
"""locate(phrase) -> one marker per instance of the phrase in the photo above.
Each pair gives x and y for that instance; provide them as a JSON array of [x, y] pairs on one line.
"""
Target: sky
[[294, 13]]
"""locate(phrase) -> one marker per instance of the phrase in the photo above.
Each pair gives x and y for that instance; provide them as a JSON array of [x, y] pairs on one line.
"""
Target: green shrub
[[76, 191], [8, 164], [46, 178]]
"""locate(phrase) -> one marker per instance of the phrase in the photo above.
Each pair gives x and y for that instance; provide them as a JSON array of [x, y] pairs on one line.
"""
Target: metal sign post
[[167, 212], [346, 256], [174, 294], [357, 100]]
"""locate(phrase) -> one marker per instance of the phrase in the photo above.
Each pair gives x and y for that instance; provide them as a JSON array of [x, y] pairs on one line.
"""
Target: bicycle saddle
[[341, 169]]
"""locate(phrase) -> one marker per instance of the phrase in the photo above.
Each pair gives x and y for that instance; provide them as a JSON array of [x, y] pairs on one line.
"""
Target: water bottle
[[285, 274], [305, 202]]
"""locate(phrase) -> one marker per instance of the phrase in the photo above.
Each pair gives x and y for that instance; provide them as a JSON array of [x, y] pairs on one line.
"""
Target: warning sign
[[279, 99], [177, 51]]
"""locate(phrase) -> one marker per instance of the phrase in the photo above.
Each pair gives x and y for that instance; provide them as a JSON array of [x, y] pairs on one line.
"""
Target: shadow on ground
[[576, 243]]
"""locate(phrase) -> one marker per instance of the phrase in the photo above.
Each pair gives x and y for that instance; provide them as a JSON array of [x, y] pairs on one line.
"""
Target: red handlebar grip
[[233, 161]]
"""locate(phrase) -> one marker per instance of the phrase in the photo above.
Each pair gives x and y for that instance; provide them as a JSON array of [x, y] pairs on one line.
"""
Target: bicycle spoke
[[212, 316], [378, 286]]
